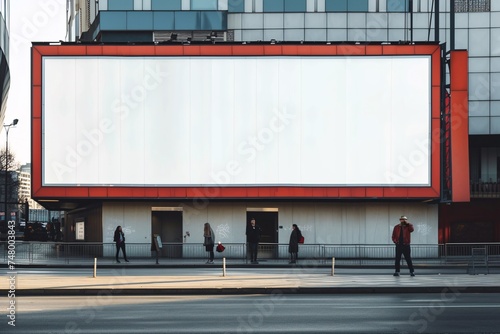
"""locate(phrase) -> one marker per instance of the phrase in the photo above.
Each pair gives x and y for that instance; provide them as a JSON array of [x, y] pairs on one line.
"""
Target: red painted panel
[[36, 68], [374, 192], [96, 192], [169, 50], [351, 50], [459, 73], [374, 50], [74, 51], [94, 50], [77, 192], [215, 50], [245, 192], [246, 50], [36, 100], [192, 50]]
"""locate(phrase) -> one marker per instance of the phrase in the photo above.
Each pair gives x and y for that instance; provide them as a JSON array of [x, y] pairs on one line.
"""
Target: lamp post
[[7, 128]]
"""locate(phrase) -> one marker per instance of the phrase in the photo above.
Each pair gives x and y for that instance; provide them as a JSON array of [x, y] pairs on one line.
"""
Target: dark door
[[168, 225], [268, 222]]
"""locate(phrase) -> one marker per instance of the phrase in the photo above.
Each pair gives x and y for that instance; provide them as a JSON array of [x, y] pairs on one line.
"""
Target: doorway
[[267, 220], [167, 223]]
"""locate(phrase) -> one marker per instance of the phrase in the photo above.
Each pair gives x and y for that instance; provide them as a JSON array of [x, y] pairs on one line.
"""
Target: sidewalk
[[189, 277]]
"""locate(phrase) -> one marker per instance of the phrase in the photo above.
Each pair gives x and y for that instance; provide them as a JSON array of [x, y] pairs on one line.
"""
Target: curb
[[249, 291]]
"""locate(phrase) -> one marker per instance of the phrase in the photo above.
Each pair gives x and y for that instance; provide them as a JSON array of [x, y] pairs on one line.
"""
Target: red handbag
[[220, 248], [301, 240]]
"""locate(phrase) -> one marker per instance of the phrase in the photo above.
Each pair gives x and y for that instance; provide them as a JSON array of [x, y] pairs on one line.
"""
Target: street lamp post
[[7, 128]]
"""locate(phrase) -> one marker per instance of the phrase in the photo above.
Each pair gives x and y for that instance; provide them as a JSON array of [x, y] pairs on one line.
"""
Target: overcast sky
[[30, 20]]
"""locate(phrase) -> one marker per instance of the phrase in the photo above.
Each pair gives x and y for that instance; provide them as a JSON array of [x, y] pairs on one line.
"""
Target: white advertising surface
[[237, 121]]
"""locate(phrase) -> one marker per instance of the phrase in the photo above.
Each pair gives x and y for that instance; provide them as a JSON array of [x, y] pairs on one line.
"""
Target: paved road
[[452, 312]]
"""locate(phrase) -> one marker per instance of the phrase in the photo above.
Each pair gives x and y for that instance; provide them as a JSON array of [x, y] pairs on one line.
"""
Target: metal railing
[[39, 252]]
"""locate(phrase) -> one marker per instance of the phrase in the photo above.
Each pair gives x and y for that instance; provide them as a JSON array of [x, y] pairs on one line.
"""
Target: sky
[[30, 21]]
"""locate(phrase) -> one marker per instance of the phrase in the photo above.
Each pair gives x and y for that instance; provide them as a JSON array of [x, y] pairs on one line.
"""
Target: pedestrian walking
[[209, 242], [401, 236], [293, 245], [119, 239]]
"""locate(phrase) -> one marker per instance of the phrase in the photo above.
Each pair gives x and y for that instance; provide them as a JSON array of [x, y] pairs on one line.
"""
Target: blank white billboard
[[237, 121]]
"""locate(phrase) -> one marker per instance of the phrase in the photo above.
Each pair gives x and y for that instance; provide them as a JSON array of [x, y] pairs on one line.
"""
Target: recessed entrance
[[167, 223], [267, 219]]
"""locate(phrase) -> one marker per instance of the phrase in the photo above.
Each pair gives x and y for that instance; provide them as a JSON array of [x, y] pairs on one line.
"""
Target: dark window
[[120, 4], [346, 5], [276, 6], [166, 4], [236, 6], [203, 4], [398, 5], [295, 6]]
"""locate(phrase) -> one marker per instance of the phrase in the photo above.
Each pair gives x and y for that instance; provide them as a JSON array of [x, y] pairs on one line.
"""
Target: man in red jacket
[[402, 238]]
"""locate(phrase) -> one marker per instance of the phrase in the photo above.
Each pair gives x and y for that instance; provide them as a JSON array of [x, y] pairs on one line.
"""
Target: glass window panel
[[479, 42], [163, 21], [479, 125], [337, 20], [495, 126], [166, 4], [276, 34], [252, 21], [274, 6], [397, 5], [120, 4], [315, 20], [273, 21], [294, 34], [495, 86], [479, 108], [336, 5], [140, 20], [203, 4], [252, 35], [316, 35], [113, 20], [337, 35], [213, 21], [187, 20], [236, 6], [479, 86], [357, 5], [294, 20], [295, 5], [495, 108], [479, 64], [495, 64], [495, 42], [356, 20]]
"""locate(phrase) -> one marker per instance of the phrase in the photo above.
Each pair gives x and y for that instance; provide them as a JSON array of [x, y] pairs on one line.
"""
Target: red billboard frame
[[41, 192]]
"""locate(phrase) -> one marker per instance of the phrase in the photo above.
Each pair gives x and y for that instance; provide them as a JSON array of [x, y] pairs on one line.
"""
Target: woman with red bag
[[293, 245]]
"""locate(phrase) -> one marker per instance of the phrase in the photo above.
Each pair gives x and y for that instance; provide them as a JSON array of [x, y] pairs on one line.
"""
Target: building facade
[[4, 57], [474, 27]]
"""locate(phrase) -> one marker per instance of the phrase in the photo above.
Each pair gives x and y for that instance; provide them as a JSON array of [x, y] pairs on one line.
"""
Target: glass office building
[[474, 25], [4, 57]]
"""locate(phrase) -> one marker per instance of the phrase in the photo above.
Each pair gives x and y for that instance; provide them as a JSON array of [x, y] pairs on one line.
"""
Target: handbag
[[220, 248], [301, 240]]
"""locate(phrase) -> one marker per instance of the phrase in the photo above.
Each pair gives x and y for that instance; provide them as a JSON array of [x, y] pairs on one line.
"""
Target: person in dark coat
[[209, 242], [119, 239], [253, 238], [293, 245]]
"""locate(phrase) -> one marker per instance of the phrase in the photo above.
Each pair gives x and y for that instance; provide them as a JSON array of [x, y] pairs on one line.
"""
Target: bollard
[[95, 267], [223, 267], [333, 266]]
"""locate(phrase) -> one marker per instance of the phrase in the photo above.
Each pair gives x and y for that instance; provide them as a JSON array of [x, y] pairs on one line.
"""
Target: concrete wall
[[321, 223]]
